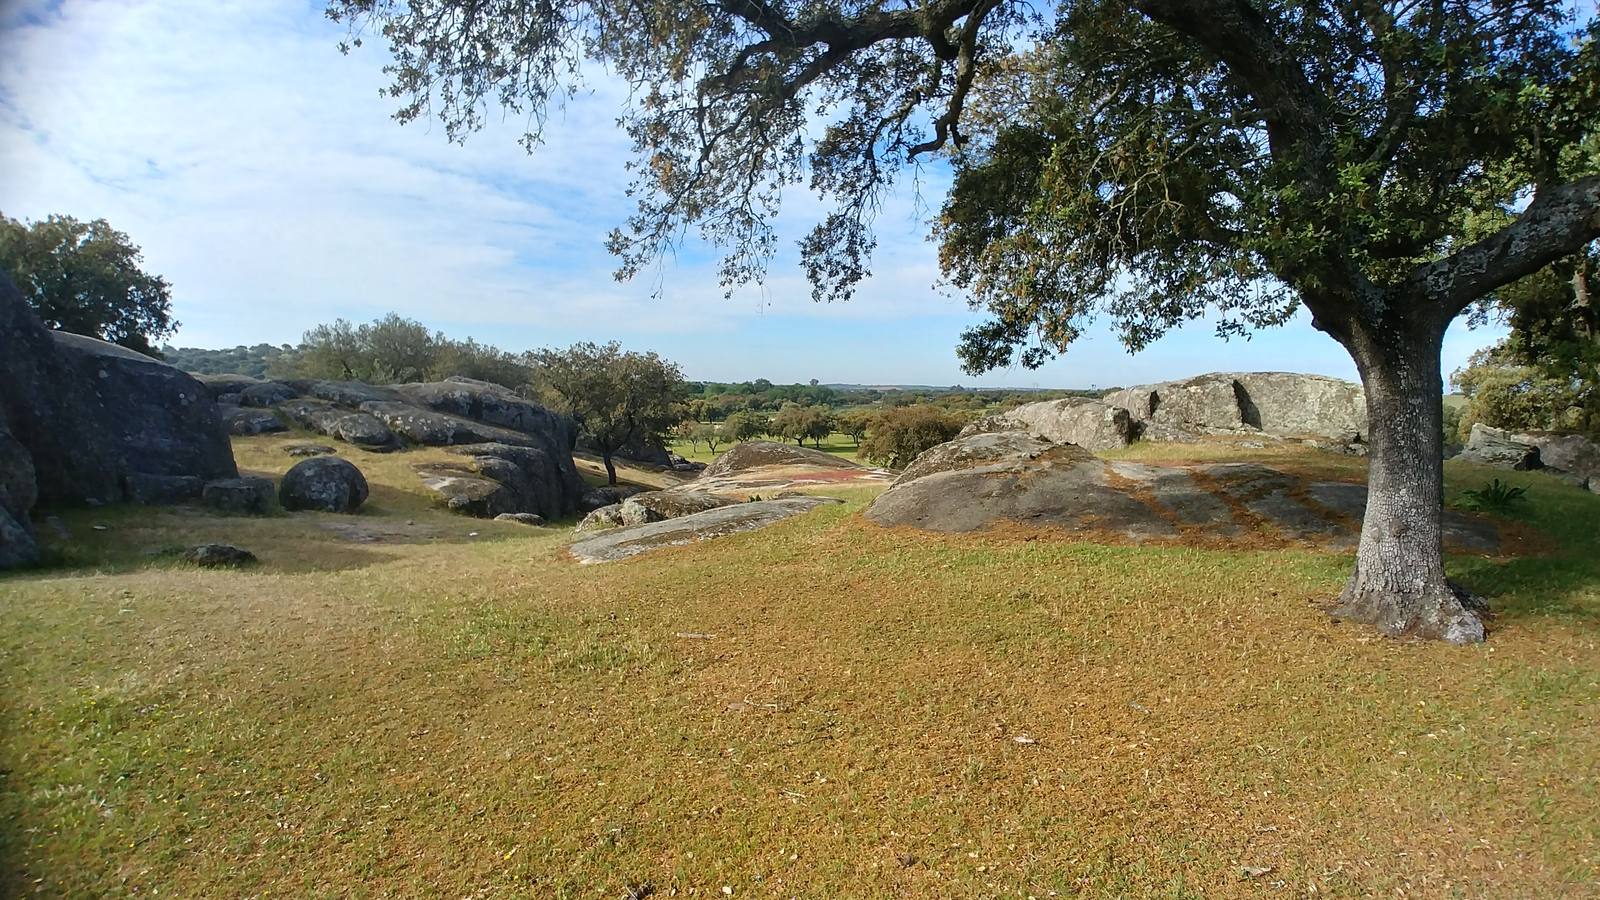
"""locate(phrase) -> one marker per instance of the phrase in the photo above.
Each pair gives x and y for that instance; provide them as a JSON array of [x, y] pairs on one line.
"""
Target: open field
[[409, 703]]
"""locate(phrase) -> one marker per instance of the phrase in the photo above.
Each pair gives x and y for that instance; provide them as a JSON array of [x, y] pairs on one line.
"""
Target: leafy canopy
[[86, 278], [1152, 159], [616, 396]]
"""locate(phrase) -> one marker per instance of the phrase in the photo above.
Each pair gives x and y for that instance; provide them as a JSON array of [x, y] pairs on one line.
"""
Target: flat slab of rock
[[982, 481], [620, 543], [766, 467]]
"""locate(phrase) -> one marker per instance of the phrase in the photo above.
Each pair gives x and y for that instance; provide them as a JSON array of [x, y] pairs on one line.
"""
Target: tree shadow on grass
[[126, 538], [1533, 587]]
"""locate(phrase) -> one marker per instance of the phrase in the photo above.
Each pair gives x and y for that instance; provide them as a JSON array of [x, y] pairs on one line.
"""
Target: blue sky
[[262, 175]]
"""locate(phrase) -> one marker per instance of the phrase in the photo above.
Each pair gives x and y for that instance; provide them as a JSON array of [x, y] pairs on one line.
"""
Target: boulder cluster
[[515, 455], [1574, 458], [1266, 406], [87, 422]]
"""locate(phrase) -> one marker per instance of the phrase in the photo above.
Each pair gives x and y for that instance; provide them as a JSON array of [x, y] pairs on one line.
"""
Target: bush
[[901, 434], [1516, 397], [1496, 496]]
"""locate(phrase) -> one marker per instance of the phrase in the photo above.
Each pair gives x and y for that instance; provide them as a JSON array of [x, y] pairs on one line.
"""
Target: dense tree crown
[[617, 397], [86, 277]]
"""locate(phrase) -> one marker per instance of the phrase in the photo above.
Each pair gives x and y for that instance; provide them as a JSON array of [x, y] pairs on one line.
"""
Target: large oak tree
[[1382, 163]]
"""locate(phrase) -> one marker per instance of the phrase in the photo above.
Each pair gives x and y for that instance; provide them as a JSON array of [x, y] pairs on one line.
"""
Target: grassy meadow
[[404, 702], [838, 444]]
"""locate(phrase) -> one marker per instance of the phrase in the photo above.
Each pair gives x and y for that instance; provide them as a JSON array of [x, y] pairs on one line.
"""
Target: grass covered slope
[[824, 708]]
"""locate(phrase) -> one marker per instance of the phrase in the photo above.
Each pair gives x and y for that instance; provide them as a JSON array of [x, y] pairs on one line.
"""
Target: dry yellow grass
[[875, 713]]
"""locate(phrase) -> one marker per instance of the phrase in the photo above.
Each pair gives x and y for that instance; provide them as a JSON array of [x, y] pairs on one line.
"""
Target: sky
[[263, 176]]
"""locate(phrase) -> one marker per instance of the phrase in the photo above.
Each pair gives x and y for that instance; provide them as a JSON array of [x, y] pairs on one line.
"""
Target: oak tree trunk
[[611, 468], [1399, 582]]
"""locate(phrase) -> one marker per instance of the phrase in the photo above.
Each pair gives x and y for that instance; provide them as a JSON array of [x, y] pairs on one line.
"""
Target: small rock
[[1248, 872], [307, 449], [521, 518], [213, 556]]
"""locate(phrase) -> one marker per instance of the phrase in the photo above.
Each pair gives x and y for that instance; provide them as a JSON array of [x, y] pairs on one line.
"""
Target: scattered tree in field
[[708, 434], [855, 423], [1155, 160], [800, 423], [899, 435], [616, 397], [745, 426], [86, 278]]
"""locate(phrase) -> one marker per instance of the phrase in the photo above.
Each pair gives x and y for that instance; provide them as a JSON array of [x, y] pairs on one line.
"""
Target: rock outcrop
[[1283, 404], [1089, 423], [246, 494], [1324, 411], [620, 543], [658, 506], [764, 468], [84, 421], [323, 483], [493, 479], [245, 421], [1574, 458], [986, 480]]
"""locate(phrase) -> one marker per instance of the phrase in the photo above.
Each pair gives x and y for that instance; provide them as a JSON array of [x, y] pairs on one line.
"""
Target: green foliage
[[799, 423], [394, 349], [1517, 397], [1494, 496], [898, 436], [745, 426], [1132, 172], [86, 277], [616, 396], [705, 433], [855, 423]]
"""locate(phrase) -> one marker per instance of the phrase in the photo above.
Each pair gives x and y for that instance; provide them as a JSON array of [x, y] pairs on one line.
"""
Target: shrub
[[1496, 496], [901, 434]]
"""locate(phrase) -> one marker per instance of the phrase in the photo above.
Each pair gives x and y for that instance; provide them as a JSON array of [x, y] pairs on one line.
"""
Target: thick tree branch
[[1559, 222]]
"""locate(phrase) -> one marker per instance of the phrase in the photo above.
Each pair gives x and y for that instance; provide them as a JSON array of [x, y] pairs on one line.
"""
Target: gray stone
[[307, 449], [421, 426], [1494, 447], [1275, 403], [521, 518], [324, 483], [658, 506], [1575, 458], [266, 393], [224, 385], [359, 428], [218, 556], [1083, 421], [19, 545], [157, 490], [762, 454], [608, 495], [984, 480], [159, 420], [620, 543], [246, 422], [495, 478], [601, 518], [465, 489], [245, 494]]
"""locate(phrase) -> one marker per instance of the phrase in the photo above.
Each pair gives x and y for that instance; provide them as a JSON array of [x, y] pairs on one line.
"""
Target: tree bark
[[611, 468], [1399, 583]]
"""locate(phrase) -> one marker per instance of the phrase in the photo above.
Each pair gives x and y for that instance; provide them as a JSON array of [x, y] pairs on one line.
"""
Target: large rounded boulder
[[323, 483]]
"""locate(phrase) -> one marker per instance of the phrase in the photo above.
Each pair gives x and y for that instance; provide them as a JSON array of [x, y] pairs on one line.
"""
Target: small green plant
[[1496, 496]]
